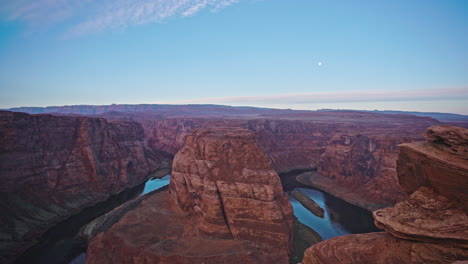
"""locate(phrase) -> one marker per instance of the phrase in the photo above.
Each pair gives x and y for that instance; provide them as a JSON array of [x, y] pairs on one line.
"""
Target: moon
[[319, 64]]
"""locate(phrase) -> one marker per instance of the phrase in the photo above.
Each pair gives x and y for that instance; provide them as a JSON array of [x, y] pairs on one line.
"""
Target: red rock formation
[[431, 226], [379, 248], [440, 164], [364, 166], [425, 216], [225, 205], [355, 152], [52, 167]]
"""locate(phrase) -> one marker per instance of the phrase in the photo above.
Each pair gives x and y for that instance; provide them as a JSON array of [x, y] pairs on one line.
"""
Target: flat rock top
[[455, 139], [450, 135], [434, 152], [160, 228], [225, 133], [425, 216]]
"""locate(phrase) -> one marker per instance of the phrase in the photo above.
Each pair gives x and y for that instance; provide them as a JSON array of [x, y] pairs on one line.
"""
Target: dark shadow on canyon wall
[[60, 244]]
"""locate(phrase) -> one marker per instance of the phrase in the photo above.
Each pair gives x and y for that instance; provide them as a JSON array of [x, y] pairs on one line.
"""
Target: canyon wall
[[225, 204], [431, 226], [51, 167], [354, 153]]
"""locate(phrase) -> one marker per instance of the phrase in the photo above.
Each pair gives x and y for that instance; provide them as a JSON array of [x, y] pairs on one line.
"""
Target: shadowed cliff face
[[431, 225], [355, 152], [225, 205], [53, 166]]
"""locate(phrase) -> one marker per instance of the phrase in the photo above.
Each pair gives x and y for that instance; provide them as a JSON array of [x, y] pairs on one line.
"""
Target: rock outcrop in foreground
[[51, 167], [431, 226], [225, 204]]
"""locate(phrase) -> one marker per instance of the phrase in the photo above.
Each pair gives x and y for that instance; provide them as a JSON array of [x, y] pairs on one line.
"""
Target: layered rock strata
[[51, 167], [354, 152], [225, 204], [431, 226], [441, 163]]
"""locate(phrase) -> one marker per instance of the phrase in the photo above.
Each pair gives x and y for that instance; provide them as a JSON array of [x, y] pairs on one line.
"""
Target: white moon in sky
[[319, 63]]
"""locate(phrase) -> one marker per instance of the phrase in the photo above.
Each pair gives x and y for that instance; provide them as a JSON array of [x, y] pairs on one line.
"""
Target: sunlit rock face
[[225, 204], [431, 225], [51, 167]]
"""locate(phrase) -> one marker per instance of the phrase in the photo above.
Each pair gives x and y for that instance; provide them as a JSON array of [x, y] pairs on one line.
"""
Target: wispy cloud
[[341, 96], [87, 16]]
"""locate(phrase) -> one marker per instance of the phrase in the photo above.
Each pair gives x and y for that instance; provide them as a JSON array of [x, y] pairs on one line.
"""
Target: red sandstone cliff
[[355, 153], [431, 226], [225, 205], [52, 167]]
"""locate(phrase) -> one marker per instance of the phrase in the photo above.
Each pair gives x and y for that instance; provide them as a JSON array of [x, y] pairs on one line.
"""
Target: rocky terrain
[[225, 169], [308, 203], [431, 225], [225, 204], [354, 152], [54, 166]]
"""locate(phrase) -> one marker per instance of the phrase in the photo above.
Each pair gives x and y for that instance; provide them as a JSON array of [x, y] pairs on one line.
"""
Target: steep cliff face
[[225, 205], [441, 163], [365, 165], [431, 225], [355, 153], [224, 176], [51, 167], [292, 144]]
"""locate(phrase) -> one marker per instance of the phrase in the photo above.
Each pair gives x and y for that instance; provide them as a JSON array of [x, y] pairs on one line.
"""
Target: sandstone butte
[[51, 167], [431, 226], [225, 204]]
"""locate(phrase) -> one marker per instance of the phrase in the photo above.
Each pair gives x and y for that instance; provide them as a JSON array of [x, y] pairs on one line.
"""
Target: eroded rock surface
[[434, 165], [425, 216], [380, 248], [431, 226], [354, 152], [453, 139], [225, 205], [51, 167]]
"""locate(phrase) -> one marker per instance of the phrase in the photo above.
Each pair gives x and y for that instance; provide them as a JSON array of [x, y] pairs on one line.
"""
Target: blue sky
[[300, 54]]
